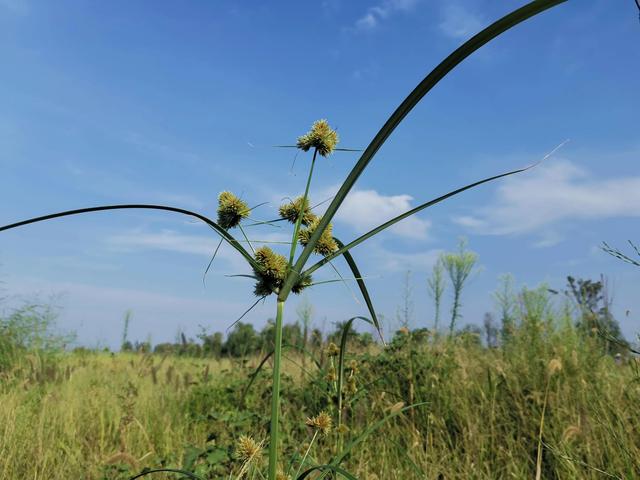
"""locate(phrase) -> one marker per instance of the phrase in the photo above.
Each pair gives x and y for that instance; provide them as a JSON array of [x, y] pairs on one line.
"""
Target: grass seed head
[[321, 422], [231, 210], [326, 244], [554, 366], [247, 449], [321, 137], [303, 282], [273, 271], [332, 350], [291, 210]]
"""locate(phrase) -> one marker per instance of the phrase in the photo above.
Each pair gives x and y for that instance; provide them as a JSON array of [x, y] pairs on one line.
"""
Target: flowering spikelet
[[290, 211], [303, 282], [331, 375], [555, 365], [273, 272], [326, 244], [231, 210], [332, 350], [247, 449], [322, 422], [321, 136]]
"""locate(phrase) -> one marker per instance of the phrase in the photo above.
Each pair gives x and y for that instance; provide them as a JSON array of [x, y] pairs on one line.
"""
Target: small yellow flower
[[321, 137], [231, 210], [247, 449], [322, 422], [290, 211]]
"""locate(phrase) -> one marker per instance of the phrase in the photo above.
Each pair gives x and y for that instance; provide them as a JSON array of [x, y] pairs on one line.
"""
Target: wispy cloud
[[457, 22], [363, 210], [172, 241], [551, 195], [383, 10]]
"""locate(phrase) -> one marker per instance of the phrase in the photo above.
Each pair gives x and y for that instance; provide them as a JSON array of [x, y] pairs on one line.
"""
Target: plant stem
[[294, 241], [306, 454], [275, 396]]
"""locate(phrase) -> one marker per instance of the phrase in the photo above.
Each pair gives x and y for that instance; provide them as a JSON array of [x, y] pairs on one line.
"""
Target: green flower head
[[231, 210], [326, 244], [321, 137], [272, 273], [290, 211]]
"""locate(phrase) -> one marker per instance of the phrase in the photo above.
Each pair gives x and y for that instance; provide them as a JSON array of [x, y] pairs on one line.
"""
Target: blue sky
[[160, 102]]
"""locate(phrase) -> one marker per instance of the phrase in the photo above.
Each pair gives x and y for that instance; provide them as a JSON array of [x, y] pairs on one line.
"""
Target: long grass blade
[[341, 356], [167, 470], [406, 214], [362, 286], [360, 438], [325, 468], [219, 230], [431, 80], [213, 257]]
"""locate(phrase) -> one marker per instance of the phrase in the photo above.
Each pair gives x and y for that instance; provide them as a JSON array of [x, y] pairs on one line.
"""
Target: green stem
[[294, 241], [275, 396], [306, 454]]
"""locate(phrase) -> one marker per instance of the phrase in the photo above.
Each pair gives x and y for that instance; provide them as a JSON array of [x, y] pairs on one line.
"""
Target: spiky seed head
[[321, 422], [555, 365], [321, 137], [332, 350], [280, 475], [291, 210], [326, 244], [353, 366], [303, 282], [231, 210], [272, 273], [351, 387], [247, 449], [331, 375]]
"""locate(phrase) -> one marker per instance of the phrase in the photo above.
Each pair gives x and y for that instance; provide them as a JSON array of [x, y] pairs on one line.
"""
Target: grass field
[[548, 402]]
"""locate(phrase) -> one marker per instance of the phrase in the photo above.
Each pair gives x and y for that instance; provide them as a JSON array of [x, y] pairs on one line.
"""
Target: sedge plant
[[277, 275]]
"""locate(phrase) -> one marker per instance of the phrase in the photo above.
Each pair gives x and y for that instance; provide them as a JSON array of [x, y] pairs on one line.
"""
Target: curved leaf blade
[[344, 249], [431, 80], [219, 230], [361, 285]]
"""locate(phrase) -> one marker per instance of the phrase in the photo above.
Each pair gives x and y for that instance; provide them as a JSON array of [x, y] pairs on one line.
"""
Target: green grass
[[104, 416]]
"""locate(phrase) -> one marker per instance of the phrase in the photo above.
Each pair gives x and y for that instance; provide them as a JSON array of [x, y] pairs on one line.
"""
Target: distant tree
[[305, 315], [242, 340], [506, 301], [404, 313], [593, 302], [470, 335], [125, 332], [435, 287], [458, 265], [490, 330], [211, 344]]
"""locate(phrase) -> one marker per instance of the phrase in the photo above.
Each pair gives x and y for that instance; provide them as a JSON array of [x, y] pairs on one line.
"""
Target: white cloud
[[374, 15], [403, 261], [366, 209], [458, 22], [540, 200]]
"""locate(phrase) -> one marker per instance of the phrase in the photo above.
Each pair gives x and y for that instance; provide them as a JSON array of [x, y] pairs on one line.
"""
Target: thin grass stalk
[[275, 396], [296, 229]]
